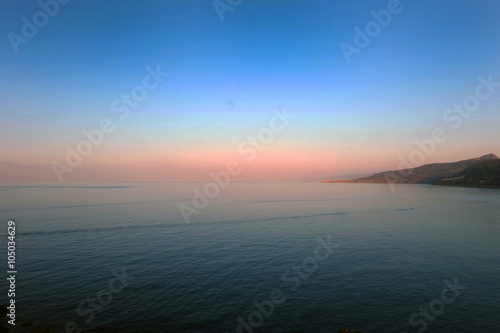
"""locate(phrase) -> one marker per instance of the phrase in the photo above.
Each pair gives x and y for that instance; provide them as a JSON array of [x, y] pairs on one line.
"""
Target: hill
[[482, 174], [425, 174]]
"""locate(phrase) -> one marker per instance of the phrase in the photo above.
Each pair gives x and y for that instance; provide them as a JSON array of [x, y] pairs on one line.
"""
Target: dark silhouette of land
[[482, 174], [483, 171]]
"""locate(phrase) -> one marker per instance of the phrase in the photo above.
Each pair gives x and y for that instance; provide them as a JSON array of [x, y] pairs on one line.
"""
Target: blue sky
[[225, 77]]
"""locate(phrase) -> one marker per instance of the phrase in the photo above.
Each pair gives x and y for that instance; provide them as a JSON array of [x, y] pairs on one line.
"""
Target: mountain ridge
[[482, 174], [426, 174]]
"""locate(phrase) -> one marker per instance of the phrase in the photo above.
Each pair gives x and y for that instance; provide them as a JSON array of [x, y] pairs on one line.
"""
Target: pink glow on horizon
[[274, 164]]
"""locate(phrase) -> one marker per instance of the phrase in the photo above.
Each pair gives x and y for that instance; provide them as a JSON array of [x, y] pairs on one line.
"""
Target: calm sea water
[[392, 253]]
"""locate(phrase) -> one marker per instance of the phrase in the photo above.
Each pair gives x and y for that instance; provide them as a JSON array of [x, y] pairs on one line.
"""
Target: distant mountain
[[425, 174], [13, 172], [482, 174]]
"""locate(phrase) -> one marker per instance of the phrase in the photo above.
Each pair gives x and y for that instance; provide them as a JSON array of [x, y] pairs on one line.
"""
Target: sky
[[174, 90]]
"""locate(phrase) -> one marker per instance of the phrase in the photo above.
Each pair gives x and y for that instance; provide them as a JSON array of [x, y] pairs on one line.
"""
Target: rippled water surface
[[389, 256]]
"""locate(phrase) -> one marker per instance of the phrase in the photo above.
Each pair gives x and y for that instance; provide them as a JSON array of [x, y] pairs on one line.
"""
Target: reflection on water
[[247, 252]]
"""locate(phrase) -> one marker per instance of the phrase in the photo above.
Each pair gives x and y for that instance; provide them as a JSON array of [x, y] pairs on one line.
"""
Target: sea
[[252, 257]]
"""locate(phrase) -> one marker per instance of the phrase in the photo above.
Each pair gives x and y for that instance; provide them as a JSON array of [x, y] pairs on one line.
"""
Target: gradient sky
[[227, 77]]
